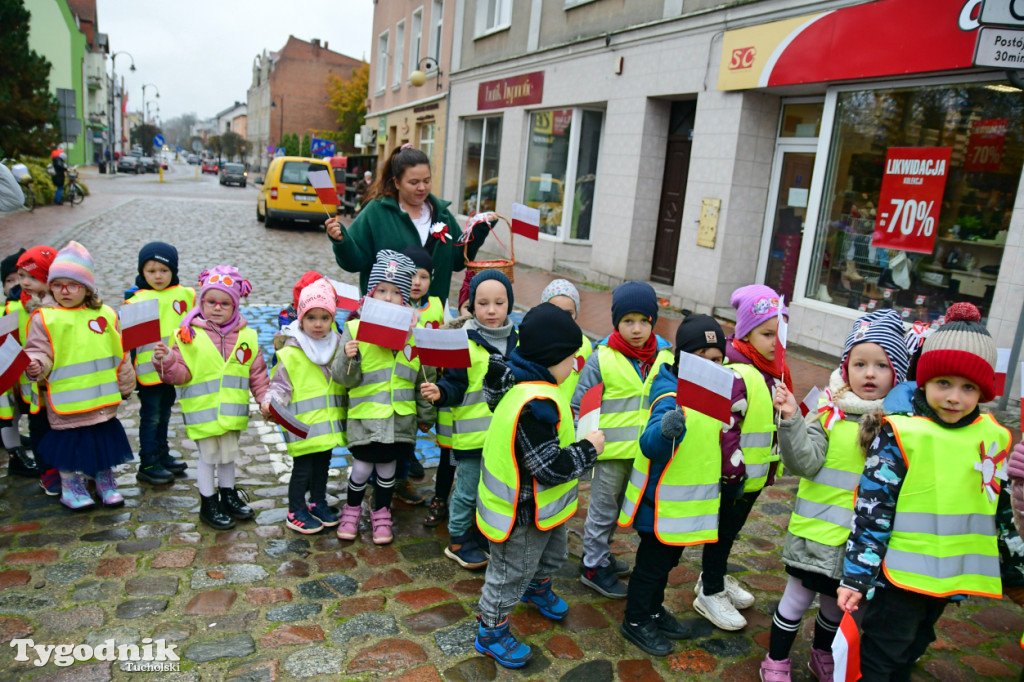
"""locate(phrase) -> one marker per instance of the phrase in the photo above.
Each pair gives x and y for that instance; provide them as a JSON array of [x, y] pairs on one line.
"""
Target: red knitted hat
[[962, 348], [37, 261]]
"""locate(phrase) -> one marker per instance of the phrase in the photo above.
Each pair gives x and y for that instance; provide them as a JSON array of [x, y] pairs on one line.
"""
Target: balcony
[[94, 82]]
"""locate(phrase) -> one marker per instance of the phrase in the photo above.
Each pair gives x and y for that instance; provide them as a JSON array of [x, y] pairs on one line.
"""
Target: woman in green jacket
[[399, 211]]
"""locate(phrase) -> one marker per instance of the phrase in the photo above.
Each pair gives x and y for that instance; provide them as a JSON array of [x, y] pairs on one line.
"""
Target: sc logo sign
[[742, 58]]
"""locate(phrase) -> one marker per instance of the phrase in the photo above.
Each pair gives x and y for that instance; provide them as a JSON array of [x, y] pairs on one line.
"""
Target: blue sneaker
[[324, 514], [499, 644], [543, 597], [303, 522]]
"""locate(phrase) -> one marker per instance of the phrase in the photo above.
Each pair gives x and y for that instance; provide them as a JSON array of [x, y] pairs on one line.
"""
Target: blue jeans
[[154, 415], [59, 195], [462, 509]]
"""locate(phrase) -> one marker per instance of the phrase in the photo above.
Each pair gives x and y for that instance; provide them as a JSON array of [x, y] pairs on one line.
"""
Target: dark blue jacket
[[655, 446]]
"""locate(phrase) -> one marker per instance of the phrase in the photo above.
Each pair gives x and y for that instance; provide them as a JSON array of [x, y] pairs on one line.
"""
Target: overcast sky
[[199, 53]]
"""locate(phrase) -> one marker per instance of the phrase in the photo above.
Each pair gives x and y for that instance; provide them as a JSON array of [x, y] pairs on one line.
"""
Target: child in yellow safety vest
[[158, 278], [749, 458], [673, 493], [384, 410], [626, 363], [527, 489], [563, 294], [911, 551], [75, 346], [302, 384], [824, 452], [216, 363], [19, 462]]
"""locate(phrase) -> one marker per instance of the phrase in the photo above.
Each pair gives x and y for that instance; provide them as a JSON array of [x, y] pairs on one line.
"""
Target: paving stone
[[759, 544], [476, 669], [245, 621], [682, 575], [606, 642], [277, 491], [295, 568], [174, 502], [185, 539], [99, 671], [116, 567], [529, 621], [766, 562], [999, 619], [13, 578], [378, 556], [225, 647], [292, 612], [331, 587], [422, 551], [281, 548], [254, 671], [46, 539], [726, 647], [120, 634], [136, 608], [150, 586], [376, 624], [987, 667], [111, 519], [172, 632], [418, 599], [285, 635], [87, 551], [562, 646], [147, 545], [109, 535], [268, 532], [424, 673], [583, 617], [67, 572], [440, 616], [765, 581], [390, 578], [357, 605], [615, 608], [95, 590], [271, 517], [328, 543], [65, 622], [692, 661], [387, 656], [439, 572], [157, 516], [159, 530], [227, 575], [19, 528], [267, 595], [592, 671], [456, 640], [229, 553], [13, 628], [335, 561], [946, 671], [1010, 652], [960, 633], [314, 660], [174, 558], [470, 586], [638, 671], [34, 556], [226, 536], [212, 602]]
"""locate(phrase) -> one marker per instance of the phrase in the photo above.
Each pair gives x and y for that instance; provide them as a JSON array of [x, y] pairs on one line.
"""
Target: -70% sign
[[911, 198], [910, 212]]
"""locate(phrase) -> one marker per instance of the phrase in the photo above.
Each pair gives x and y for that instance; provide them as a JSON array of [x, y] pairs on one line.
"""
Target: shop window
[[481, 147], [399, 47], [427, 139], [416, 40], [801, 119], [982, 126]]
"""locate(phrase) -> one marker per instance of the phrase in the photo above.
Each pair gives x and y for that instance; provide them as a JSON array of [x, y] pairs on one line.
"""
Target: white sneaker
[[719, 610], [739, 597]]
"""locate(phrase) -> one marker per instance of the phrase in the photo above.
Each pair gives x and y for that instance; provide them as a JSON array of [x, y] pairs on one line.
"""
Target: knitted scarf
[[770, 367], [644, 356]]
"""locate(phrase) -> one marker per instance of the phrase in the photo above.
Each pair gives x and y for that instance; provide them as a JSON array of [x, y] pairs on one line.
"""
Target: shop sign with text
[[985, 146], [516, 91], [911, 199]]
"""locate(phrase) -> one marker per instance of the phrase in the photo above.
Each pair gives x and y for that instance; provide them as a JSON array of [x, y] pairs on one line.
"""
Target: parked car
[[128, 164], [286, 193], [233, 174], [148, 164], [210, 166], [193, 159]]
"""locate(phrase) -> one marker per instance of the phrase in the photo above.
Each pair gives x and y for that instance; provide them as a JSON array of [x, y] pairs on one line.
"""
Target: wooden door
[[670, 212]]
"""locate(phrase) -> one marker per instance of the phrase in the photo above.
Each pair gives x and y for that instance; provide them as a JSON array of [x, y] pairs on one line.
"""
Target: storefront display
[[481, 151]]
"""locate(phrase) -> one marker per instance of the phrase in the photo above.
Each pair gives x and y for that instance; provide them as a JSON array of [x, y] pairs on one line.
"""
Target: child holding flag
[[85, 437], [19, 463], [626, 363], [158, 279], [679, 450], [384, 412], [216, 362], [823, 450], [302, 384]]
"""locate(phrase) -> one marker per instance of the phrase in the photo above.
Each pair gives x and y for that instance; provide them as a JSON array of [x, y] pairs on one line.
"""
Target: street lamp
[[418, 77], [145, 118], [113, 79], [273, 105]]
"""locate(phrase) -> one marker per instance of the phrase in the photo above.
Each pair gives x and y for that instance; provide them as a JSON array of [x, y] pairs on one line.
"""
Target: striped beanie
[[961, 348], [884, 327], [73, 262], [395, 268]]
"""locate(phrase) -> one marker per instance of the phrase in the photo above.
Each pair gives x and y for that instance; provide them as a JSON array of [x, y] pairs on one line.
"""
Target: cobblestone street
[[261, 602]]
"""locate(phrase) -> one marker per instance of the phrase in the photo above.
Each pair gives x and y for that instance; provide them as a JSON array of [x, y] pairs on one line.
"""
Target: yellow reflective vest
[[687, 496], [432, 314], [86, 356], [175, 302], [498, 489], [568, 387], [388, 386], [8, 397], [216, 399], [624, 407], [944, 533], [29, 390], [317, 401], [471, 418], [758, 430], [445, 423]]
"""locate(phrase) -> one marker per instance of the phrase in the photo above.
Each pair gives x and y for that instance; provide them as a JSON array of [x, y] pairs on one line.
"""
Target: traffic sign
[[318, 147], [1002, 48], [178, 148], [158, 141], [197, 146], [270, 149], [279, 151]]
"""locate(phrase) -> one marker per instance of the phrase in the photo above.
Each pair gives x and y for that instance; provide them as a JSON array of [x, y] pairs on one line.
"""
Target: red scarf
[[764, 364], [644, 356]]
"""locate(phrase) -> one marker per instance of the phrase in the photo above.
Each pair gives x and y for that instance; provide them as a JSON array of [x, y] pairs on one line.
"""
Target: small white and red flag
[[9, 325], [322, 182], [810, 402], [590, 411], [846, 651], [348, 294], [13, 362], [705, 386], [525, 221], [384, 324], [781, 337], [288, 420], [447, 348], [140, 323], [1002, 367]]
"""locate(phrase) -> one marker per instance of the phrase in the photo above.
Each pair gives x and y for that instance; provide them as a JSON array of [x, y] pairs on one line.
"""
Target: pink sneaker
[[107, 487], [381, 520], [821, 664], [775, 671], [348, 527]]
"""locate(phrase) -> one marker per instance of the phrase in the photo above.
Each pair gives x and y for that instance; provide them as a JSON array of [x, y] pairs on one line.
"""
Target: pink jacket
[[38, 347], [173, 370]]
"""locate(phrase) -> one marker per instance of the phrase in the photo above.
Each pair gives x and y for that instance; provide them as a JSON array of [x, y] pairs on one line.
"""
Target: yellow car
[[286, 195]]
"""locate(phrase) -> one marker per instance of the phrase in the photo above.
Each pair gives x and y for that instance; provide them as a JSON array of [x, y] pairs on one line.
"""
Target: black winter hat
[[699, 331], [634, 297], [548, 335], [160, 252], [9, 265], [419, 256], [485, 275]]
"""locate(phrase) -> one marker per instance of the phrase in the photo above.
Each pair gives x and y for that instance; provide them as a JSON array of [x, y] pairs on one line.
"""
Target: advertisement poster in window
[[911, 198], [985, 145]]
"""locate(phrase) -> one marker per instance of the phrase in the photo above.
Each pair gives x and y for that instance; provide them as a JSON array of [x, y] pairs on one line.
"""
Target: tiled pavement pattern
[[263, 603]]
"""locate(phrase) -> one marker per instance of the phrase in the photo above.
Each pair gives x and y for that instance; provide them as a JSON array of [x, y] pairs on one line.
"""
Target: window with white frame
[[416, 40], [437, 22], [493, 15], [399, 47], [382, 60], [480, 155], [427, 139]]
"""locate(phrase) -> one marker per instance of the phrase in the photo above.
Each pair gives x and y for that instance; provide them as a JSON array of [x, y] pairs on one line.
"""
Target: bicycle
[[24, 179], [74, 193]]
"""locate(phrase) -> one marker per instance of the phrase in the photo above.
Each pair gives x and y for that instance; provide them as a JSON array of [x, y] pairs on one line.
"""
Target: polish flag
[[1002, 367], [810, 402], [705, 386], [782, 337], [846, 651], [9, 325], [590, 411], [448, 348], [348, 294], [287, 420], [384, 324], [525, 221], [140, 323], [324, 186], [13, 362]]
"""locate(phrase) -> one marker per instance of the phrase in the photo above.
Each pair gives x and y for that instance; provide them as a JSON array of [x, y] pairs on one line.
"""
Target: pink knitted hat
[[224, 278], [754, 304], [319, 294]]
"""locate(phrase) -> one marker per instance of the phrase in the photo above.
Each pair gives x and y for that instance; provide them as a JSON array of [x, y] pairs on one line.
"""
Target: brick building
[[289, 93]]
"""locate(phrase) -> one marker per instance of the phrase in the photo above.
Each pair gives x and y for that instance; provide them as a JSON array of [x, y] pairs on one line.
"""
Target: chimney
[[316, 42], [325, 44]]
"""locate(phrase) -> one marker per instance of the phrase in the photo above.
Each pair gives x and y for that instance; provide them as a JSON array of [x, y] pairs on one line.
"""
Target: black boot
[[232, 504], [175, 466], [211, 514], [20, 464], [152, 471]]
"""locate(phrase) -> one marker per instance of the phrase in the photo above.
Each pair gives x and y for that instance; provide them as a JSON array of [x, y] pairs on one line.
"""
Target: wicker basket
[[503, 265]]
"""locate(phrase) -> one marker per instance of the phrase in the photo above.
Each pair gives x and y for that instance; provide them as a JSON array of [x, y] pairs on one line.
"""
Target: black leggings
[[445, 476], [654, 560], [309, 473], [732, 514]]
